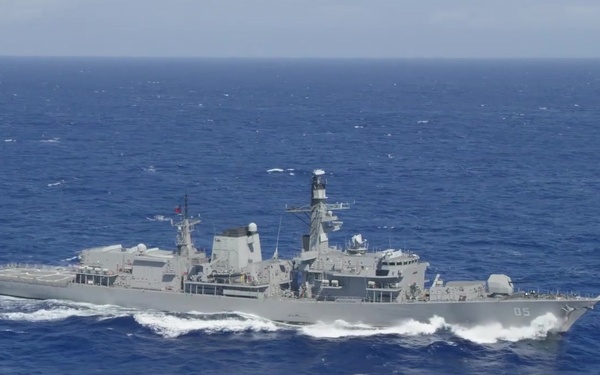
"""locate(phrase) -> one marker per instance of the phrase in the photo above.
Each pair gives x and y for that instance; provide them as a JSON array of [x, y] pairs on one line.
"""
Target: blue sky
[[308, 28]]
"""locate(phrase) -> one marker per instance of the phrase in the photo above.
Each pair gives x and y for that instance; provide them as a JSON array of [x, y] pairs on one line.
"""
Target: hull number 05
[[522, 311]]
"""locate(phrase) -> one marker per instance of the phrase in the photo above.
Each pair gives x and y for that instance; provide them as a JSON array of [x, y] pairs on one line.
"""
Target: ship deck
[[36, 274]]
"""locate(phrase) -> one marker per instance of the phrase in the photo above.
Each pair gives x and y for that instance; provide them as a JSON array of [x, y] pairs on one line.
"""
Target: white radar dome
[[318, 172], [252, 227], [141, 247]]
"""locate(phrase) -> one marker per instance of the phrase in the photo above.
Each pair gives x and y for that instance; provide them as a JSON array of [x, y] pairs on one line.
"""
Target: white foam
[[150, 169], [490, 334], [341, 328], [422, 121], [483, 334], [10, 140], [51, 140], [56, 183], [159, 218], [272, 170], [45, 315], [173, 326], [59, 310]]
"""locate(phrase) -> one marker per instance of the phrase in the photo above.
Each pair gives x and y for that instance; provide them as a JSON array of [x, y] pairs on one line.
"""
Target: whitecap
[[56, 183], [422, 121], [161, 218], [50, 140], [272, 170]]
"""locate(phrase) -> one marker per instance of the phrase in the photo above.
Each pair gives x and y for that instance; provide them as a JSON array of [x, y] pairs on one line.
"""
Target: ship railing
[[354, 299], [24, 280], [32, 266], [553, 294]]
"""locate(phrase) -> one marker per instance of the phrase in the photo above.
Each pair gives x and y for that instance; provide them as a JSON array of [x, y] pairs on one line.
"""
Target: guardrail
[[32, 266], [33, 281]]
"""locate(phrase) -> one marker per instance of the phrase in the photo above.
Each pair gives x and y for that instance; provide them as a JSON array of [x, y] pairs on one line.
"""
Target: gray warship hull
[[508, 313]]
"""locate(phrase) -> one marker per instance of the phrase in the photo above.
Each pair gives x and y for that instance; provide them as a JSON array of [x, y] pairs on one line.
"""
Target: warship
[[322, 283]]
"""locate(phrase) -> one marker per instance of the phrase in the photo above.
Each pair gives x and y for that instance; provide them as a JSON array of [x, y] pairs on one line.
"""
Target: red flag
[[178, 209]]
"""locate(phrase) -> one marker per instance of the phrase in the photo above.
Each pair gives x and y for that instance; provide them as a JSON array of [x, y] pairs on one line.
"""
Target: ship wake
[[17, 309], [170, 325], [481, 334]]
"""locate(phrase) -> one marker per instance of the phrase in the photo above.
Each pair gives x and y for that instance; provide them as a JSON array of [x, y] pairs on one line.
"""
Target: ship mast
[[322, 219], [185, 246]]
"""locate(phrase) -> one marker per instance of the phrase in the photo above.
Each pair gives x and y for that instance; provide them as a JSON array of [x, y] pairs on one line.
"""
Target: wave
[[170, 326], [481, 334], [340, 329], [281, 170], [54, 310], [56, 183]]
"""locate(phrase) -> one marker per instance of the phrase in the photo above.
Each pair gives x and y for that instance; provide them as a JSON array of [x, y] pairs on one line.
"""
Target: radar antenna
[[276, 254]]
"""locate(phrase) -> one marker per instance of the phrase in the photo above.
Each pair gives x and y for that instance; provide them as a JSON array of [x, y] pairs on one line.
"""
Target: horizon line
[[156, 57]]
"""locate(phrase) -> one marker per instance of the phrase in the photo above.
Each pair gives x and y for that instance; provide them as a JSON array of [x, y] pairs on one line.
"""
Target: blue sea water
[[478, 166]]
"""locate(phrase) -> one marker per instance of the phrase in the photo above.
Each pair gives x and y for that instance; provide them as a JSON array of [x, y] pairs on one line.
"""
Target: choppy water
[[479, 166]]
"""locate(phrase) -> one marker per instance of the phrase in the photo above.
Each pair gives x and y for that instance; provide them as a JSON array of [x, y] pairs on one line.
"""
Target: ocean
[[479, 166]]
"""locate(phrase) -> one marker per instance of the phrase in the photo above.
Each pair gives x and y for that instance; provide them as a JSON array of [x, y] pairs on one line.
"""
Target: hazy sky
[[308, 28]]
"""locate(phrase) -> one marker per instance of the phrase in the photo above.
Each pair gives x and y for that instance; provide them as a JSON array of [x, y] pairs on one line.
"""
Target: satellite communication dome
[[252, 227], [141, 247], [318, 172]]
